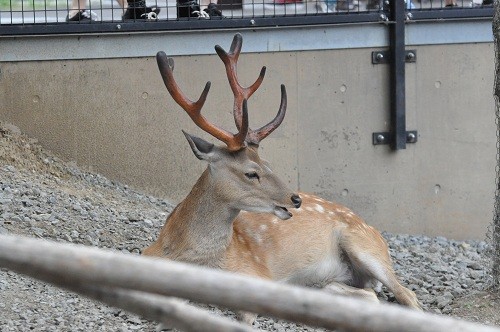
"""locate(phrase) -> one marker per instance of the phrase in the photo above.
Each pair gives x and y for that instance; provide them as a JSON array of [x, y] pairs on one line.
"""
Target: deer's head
[[238, 175]]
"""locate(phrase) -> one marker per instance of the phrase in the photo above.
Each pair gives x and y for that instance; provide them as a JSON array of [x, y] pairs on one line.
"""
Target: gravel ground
[[43, 197]]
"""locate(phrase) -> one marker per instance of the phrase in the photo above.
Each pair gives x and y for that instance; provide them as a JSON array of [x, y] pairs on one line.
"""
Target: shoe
[[213, 11], [188, 9], [487, 2], [451, 5], [82, 16], [138, 10], [191, 9]]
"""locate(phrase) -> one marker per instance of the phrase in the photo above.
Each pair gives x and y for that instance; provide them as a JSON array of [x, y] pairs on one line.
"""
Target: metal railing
[[28, 17]]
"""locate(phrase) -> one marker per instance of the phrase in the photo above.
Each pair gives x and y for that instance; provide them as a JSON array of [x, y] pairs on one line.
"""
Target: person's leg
[[123, 4], [78, 11], [137, 9], [76, 6]]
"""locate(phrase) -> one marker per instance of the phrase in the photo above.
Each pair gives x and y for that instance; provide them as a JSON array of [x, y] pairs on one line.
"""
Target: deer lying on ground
[[233, 218]]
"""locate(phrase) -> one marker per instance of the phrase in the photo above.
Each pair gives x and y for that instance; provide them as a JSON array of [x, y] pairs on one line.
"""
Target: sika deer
[[231, 217]]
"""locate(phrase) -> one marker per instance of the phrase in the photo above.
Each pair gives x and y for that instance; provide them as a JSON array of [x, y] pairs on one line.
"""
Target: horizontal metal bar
[[173, 25], [190, 42], [451, 13], [251, 22]]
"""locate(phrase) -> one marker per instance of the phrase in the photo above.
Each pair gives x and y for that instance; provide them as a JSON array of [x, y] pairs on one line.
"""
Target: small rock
[[475, 266], [278, 327], [464, 246], [134, 320]]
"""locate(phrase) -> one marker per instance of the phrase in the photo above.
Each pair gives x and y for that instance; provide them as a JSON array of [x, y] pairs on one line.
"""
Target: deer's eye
[[252, 175]]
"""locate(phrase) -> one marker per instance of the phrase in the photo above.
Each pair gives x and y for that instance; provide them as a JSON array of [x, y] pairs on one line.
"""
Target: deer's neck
[[200, 227]]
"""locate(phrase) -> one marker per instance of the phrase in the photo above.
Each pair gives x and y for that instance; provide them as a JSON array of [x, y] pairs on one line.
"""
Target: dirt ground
[[15, 149], [479, 306]]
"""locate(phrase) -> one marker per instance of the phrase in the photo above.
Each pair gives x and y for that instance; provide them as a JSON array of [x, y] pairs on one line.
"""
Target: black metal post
[[397, 75]]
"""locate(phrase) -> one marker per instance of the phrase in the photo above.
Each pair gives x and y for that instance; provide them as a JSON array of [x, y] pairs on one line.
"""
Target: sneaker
[[138, 10], [188, 9], [82, 16], [191, 9], [213, 11]]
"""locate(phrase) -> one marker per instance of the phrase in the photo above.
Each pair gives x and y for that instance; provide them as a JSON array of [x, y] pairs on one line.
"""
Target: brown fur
[[208, 228]]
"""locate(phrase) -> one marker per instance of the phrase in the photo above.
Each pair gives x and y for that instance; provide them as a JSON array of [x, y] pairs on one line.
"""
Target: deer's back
[[306, 249]]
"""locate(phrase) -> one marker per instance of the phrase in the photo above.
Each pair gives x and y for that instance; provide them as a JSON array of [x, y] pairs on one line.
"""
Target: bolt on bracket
[[382, 57], [382, 138]]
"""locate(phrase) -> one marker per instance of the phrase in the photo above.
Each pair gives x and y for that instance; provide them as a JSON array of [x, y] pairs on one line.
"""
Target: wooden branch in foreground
[[65, 263], [173, 313]]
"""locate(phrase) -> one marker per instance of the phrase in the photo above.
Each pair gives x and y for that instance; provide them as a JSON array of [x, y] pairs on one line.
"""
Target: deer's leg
[[338, 288], [374, 262], [382, 271]]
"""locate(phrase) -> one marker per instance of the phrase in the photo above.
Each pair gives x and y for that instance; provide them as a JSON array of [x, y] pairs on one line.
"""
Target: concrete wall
[[114, 116]]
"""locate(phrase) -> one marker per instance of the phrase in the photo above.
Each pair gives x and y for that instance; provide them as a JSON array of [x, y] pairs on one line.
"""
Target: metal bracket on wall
[[384, 57], [396, 57], [386, 137]]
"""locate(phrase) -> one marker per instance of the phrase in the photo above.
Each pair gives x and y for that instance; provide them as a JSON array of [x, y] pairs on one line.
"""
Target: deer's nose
[[296, 200]]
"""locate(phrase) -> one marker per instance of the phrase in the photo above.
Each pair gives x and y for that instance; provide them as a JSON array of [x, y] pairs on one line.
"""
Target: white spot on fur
[[310, 209], [275, 220], [257, 237], [320, 209], [263, 227]]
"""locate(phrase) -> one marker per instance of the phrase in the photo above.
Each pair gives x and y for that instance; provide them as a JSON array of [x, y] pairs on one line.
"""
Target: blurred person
[[193, 9], [376, 4], [132, 9]]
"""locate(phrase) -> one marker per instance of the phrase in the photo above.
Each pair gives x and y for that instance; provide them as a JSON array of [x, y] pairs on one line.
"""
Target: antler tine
[[230, 62], [193, 109], [255, 136]]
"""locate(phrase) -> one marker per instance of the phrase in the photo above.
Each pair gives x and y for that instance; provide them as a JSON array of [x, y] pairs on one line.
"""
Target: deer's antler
[[241, 93], [234, 142]]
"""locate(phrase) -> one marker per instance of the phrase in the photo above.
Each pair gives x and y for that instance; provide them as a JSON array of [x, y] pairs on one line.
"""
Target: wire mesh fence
[[493, 235], [95, 11]]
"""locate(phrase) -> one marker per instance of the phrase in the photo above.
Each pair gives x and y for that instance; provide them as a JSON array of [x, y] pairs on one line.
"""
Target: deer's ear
[[202, 149]]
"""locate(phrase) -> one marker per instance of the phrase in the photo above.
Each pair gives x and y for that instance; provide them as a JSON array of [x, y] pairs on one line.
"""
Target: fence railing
[[22, 17], [143, 285]]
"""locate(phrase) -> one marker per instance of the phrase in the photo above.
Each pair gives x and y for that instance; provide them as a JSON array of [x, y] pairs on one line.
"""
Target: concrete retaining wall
[[114, 116]]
